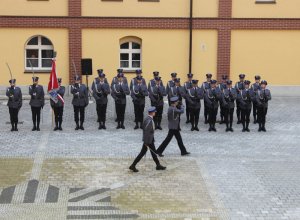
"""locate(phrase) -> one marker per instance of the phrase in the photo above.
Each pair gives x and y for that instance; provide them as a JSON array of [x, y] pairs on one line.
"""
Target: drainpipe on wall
[[191, 37]]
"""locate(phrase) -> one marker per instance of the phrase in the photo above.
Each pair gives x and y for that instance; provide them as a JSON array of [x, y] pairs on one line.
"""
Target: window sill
[[265, 2], [37, 71]]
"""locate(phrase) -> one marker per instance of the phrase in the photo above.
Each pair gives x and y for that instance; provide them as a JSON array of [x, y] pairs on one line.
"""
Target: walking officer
[[239, 86], [187, 85], [58, 107], [229, 96], [170, 84], [100, 92], [148, 139], [255, 87], [193, 97], [246, 97], [174, 113], [206, 86], [37, 102], [80, 101], [119, 92], [263, 96], [138, 93], [14, 103], [212, 98], [222, 86], [156, 94]]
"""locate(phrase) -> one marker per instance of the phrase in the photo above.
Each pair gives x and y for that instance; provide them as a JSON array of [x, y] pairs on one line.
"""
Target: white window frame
[[131, 51], [38, 47]]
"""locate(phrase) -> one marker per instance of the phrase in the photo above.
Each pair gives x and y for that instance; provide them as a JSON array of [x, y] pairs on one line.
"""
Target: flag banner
[[53, 85]]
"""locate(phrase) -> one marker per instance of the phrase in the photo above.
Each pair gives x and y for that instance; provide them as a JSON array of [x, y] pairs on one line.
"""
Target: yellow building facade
[[199, 36]]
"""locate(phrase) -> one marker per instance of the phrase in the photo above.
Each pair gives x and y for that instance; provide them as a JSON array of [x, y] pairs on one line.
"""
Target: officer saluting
[[148, 139], [206, 86], [187, 85], [246, 97], [212, 97], [119, 91], [37, 102], [80, 101], [229, 95], [58, 107], [100, 92], [14, 103], [156, 94], [193, 97], [255, 86], [138, 93], [239, 86], [222, 86], [174, 113], [170, 84], [263, 96]]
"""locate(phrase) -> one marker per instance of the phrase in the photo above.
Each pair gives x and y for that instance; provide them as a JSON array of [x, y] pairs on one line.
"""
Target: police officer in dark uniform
[[212, 98], [246, 97], [80, 101], [119, 92], [148, 139], [229, 95], [174, 113], [58, 107], [239, 86], [98, 79], [152, 82], [222, 86], [37, 102], [187, 85], [134, 81], [170, 84], [263, 96], [193, 97], [255, 86], [206, 86], [100, 92], [156, 94], [14, 103], [138, 93]]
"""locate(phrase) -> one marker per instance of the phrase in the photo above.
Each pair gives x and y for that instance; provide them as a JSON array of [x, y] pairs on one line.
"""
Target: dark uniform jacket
[[14, 97], [138, 93], [228, 97], [156, 94], [152, 82], [100, 92], [187, 85], [97, 81], [212, 97], [61, 92], [262, 97], [80, 95], [239, 86], [255, 87], [134, 82], [173, 117], [170, 84], [177, 91], [193, 96], [119, 92], [116, 81], [148, 130], [205, 86], [245, 97], [37, 96]]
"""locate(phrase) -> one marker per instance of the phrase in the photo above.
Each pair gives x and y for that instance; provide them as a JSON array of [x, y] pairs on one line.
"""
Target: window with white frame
[[130, 56], [38, 53]]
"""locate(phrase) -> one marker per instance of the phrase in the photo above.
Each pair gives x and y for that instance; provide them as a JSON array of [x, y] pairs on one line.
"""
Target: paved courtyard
[[84, 174]]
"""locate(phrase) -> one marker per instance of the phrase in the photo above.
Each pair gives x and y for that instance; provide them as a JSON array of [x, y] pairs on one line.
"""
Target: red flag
[[53, 83]]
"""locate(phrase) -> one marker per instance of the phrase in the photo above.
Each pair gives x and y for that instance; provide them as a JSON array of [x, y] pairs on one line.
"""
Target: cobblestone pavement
[[84, 174]]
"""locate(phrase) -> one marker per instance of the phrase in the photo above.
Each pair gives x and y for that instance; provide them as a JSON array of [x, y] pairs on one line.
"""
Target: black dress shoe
[[263, 129], [160, 154], [247, 129], [185, 153], [196, 129], [214, 129], [136, 127], [12, 129], [159, 127], [227, 129], [192, 129], [122, 126], [55, 129], [81, 127], [133, 169], [77, 128], [231, 129], [33, 129], [38, 129], [104, 127], [160, 167], [100, 127], [60, 128], [210, 129], [244, 129]]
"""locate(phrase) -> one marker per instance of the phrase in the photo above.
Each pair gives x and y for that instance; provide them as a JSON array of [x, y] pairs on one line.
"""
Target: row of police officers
[[243, 96]]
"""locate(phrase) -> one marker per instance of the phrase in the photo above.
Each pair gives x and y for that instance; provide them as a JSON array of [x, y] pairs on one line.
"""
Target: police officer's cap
[[195, 81], [152, 109], [77, 78], [247, 82], [229, 82], [177, 80], [174, 99], [120, 75], [59, 80], [101, 75], [208, 75], [264, 82], [173, 74], [157, 78], [190, 75], [213, 81], [12, 81], [100, 71], [257, 77], [224, 77], [35, 78], [138, 72], [242, 76], [120, 70]]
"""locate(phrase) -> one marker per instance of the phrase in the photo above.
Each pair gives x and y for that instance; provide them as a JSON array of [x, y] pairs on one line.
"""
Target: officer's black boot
[[77, 126], [231, 129], [34, 126], [38, 125], [210, 127], [16, 126], [136, 126], [56, 126], [196, 125], [214, 127], [160, 167], [81, 125], [263, 127], [122, 125], [244, 126], [12, 126], [133, 168], [247, 127], [59, 124], [259, 127], [103, 125], [119, 125], [100, 126], [227, 127]]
